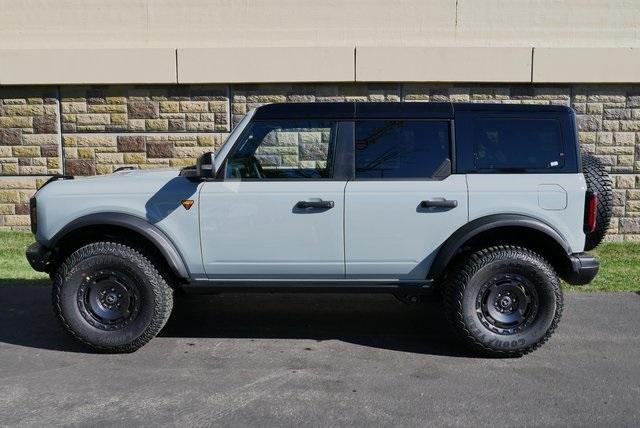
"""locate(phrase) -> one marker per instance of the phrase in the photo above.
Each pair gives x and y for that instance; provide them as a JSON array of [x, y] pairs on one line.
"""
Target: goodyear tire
[[111, 297], [598, 181], [503, 301]]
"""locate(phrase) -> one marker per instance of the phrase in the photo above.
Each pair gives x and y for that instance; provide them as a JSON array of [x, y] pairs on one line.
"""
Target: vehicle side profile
[[486, 205]]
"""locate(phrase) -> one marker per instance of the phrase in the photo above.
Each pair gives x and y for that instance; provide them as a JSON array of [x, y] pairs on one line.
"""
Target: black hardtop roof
[[391, 110]]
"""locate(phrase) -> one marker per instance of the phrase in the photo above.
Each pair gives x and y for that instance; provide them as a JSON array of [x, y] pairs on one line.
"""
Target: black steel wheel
[[109, 300], [111, 297], [507, 304], [503, 300]]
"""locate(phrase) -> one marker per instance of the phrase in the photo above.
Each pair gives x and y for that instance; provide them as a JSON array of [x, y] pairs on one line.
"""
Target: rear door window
[[401, 149]]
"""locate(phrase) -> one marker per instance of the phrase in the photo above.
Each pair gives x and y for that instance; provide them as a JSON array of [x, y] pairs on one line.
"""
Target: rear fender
[[451, 246]]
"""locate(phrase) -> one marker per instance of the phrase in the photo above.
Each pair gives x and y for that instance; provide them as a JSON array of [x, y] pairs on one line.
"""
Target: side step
[[213, 286]]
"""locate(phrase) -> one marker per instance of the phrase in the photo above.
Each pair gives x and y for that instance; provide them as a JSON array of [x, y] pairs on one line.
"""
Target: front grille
[[34, 215]]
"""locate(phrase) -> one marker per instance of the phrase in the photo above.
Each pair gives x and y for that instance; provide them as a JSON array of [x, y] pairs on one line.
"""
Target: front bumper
[[39, 257], [584, 267]]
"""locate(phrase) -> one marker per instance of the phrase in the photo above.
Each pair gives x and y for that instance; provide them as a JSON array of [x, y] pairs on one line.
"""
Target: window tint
[[514, 143], [281, 149], [400, 149]]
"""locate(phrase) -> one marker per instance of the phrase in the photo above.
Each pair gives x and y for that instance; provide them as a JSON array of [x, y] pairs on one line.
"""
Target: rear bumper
[[584, 267], [38, 257]]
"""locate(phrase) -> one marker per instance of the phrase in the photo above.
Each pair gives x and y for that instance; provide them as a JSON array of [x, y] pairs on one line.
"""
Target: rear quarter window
[[489, 143]]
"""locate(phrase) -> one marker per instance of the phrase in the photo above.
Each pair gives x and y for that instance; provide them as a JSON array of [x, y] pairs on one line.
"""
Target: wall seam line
[[533, 49], [62, 156], [355, 61], [229, 103], [177, 68]]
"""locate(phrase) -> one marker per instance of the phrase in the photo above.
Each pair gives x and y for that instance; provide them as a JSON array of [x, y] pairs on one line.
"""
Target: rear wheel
[[111, 298], [503, 301], [598, 181]]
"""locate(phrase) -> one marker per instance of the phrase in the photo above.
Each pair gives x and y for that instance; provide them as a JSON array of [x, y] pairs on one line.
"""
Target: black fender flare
[[137, 224], [450, 247]]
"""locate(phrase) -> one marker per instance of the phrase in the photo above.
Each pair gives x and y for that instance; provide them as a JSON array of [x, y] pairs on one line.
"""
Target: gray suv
[[486, 206]]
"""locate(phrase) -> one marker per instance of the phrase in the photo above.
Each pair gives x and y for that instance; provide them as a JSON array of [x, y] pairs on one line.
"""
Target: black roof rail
[[390, 110]]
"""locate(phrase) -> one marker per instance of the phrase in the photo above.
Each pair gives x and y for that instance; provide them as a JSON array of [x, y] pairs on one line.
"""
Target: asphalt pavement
[[318, 360]]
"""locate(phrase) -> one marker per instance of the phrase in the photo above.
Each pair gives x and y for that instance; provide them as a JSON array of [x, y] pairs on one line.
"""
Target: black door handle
[[439, 203], [315, 204]]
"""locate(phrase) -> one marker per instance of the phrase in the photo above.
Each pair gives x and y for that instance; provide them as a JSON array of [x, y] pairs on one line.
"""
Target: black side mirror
[[205, 166]]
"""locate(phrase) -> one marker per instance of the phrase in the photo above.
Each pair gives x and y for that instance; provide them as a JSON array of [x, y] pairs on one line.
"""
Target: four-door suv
[[489, 205]]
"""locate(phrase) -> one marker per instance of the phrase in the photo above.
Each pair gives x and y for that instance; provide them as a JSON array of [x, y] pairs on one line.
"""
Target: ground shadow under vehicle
[[377, 320]]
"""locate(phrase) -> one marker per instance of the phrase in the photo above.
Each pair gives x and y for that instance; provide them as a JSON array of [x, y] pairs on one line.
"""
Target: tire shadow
[[374, 320], [378, 320], [27, 319]]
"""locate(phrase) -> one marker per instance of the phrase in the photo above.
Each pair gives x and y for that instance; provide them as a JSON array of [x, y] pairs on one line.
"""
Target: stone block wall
[[86, 130], [102, 153], [145, 109], [14, 200], [106, 127], [29, 131]]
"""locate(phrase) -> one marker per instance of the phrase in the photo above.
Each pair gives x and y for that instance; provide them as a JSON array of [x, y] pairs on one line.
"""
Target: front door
[[277, 211], [404, 202]]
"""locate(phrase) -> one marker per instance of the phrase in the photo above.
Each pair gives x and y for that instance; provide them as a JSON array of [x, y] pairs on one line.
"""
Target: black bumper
[[39, 257], [584, 267]]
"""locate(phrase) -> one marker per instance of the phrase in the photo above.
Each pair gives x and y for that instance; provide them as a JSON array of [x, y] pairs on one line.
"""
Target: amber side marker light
[[187, 203]]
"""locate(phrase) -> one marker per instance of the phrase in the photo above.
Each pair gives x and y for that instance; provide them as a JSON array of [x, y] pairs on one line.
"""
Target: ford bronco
[[485, 205]]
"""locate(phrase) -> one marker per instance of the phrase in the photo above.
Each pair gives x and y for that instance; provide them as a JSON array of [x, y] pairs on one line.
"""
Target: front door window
[[284, 149]]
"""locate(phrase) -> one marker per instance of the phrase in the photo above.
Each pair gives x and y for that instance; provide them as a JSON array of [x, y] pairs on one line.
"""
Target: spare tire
[[598, 181]]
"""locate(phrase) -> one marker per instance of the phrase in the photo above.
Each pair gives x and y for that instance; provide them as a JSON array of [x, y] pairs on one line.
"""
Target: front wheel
[[111, 298], [504, 301]]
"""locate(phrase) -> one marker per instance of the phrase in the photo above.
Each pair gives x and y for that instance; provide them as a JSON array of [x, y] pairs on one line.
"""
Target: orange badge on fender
[[187, 203]]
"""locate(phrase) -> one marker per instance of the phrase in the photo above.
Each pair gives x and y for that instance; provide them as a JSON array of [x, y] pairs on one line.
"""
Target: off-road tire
[[464, 285], [154, 297], [598, 181]]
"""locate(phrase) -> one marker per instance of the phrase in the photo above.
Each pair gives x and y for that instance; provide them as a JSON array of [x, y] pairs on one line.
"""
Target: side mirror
[[205, 165]]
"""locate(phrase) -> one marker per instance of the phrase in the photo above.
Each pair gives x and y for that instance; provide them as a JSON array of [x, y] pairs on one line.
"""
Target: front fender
[[151, 232]]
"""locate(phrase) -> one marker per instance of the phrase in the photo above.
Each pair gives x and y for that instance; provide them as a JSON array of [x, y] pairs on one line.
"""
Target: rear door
[[403, 202]]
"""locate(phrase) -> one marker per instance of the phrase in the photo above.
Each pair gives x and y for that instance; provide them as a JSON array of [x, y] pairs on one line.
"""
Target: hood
[[137, 181]]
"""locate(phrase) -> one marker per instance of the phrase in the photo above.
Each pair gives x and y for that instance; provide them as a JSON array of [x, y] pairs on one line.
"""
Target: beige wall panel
[[595, 65], [258, 65], [219, 23], [66, 66], [73, 23], [548, 23], [443, 64]]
